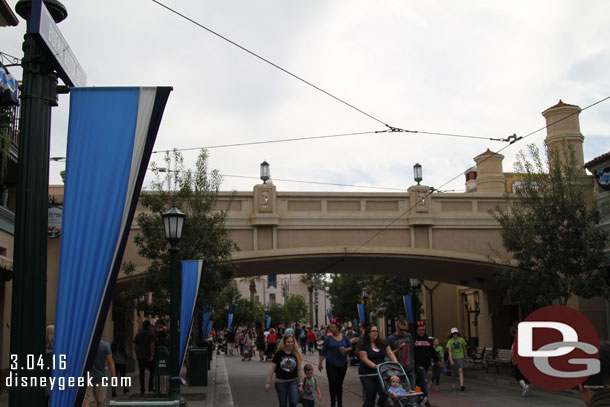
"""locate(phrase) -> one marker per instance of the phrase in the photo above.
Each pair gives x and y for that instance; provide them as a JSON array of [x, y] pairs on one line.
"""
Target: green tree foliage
[[345, 291], [295, 309], [276, 312], [387, 296], [550, 231], [204, 235]]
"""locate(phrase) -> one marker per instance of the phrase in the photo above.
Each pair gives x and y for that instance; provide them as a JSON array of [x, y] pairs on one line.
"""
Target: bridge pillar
[[490, 176], [564, 127]]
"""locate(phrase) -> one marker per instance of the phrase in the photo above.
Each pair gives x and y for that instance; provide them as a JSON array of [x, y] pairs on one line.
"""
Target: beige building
[[262, 289]]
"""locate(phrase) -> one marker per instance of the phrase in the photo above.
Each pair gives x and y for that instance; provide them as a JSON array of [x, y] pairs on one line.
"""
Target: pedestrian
[[401, 343], [271, 343], [286, 365], [144, 344], [334, 350], [303, 339], [595, 391], [310, 384], [523, 382], [457, 357], [97, 392], [311, 341], [230, 342], [260, 344], [373, 351], [424, 354], [119, 356], [437, 367], [48, 359]]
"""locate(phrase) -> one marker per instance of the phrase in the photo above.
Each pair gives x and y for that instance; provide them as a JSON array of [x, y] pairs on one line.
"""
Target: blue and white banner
[[9, 89], [361, 312], [230, 320], [330, 315], [408, 307], [268, 322], [191, 276], [111, 134], [206, 322]]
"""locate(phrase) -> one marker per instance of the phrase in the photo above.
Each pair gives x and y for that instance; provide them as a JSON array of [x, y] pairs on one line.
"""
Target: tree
[[550, 231], [345, 291], [276, 312], [204, 234], [387, 296], [295, 309]]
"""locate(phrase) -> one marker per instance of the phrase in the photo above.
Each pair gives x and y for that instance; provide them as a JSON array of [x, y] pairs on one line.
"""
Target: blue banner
[[408, 307], [355, 323], [361, 312], [191, 276], [230, 320], [268, 321], [209, 331], [100, 198], [206, 322], [330, 314], [9, 89]]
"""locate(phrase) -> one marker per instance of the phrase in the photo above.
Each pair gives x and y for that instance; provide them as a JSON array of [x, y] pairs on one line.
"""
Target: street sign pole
[[28, 312]]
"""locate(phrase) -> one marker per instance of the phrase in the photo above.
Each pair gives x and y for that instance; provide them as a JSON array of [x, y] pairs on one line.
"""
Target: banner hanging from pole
[[111, 133], [206, 322], [268, 322], [191, 276], [361, 312], [230, 320], [408, 307]]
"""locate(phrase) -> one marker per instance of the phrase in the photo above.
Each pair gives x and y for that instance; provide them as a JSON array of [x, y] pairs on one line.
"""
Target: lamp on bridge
[[265, 172], [173, 221], [417, 173]]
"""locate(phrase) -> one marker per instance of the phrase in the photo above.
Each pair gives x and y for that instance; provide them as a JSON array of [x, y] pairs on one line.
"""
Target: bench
[[497, 358], [478, 356]]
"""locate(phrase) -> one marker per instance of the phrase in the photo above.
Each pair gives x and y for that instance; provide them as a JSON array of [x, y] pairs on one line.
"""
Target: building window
[[271, 298]]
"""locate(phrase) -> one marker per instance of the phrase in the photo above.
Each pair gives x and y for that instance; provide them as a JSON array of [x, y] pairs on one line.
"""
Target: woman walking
[[373, 351], [286, 365], [334, 350], [424, 353]]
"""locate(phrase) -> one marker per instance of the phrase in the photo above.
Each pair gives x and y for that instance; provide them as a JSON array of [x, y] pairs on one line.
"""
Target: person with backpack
[[310, 385]]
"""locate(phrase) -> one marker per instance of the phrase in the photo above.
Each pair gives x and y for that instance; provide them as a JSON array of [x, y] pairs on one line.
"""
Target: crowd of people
[[338, 346]]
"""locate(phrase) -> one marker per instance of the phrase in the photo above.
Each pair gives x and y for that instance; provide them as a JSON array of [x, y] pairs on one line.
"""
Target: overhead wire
[[299, 78]]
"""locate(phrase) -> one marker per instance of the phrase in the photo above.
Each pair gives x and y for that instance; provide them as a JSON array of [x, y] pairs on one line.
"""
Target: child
[[437, 367], [397, 391], [457, 356], [310, 385]]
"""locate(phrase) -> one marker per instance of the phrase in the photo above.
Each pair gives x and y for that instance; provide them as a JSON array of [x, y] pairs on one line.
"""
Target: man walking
[[401, 343], [98, 391], [144, 344]]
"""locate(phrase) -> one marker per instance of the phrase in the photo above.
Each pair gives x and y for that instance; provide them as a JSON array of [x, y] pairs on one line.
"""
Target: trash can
[[209, 346], [198, 367], [162, 373]]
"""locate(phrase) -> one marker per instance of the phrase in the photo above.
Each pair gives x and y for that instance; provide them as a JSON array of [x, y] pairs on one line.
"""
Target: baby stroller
[[385, 371]]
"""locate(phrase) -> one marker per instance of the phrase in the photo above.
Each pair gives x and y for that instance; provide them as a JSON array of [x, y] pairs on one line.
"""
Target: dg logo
[[557, 348]]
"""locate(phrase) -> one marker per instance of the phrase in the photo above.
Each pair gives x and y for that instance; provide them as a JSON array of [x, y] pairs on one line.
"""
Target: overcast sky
[[479, 68]]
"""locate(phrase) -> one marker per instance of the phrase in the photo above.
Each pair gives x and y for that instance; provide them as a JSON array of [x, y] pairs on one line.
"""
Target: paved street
[[247, 381]]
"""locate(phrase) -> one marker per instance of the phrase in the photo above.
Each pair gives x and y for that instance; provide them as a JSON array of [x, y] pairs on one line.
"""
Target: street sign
[[42, 24]]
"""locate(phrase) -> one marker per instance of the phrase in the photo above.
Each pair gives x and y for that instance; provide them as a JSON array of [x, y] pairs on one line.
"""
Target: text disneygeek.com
[[16, 380]]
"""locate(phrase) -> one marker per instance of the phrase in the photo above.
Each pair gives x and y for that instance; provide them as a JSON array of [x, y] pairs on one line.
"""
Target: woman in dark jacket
[[424, 353], [373, 351]]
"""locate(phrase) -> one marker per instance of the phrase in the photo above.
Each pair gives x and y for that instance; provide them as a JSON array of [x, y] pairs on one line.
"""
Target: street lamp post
[[415, 305], [173, 221], [365, 297], [316, 303]]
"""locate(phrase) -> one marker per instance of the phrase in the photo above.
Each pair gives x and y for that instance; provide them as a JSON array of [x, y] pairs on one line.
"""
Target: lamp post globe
[[173, 222], [417, 173], [265, 172]]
